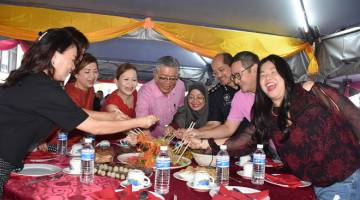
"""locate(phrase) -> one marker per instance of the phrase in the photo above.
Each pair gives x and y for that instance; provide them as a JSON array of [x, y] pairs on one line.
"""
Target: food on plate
[[188, 173], [118, 172], [103, 155], [149, 148]]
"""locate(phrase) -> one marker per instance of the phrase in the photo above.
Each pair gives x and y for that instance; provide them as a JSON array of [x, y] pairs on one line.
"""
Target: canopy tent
[[275, 17], [143, 51], [205, 28]]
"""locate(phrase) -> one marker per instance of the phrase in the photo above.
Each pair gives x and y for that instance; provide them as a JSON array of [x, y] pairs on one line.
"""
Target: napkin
[[105, 194], [40, 155], [284, 179], [126, 193], [225, 194]]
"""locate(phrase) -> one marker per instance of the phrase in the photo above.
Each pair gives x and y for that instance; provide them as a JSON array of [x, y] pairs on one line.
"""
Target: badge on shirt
[[227, 99]]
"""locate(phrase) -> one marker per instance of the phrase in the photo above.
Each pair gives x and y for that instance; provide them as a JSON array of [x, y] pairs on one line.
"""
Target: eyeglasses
[[237, 76], [172, 79]]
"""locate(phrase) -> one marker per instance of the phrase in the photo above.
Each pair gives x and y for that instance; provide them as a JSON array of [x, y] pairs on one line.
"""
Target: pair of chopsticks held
[[169, 136], [136, 131], [184, 144]]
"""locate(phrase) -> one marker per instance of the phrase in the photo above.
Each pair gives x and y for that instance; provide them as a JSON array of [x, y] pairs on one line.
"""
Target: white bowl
[[204, 160]]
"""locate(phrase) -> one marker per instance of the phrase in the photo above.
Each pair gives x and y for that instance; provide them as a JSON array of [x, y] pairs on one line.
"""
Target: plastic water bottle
[[62, 143], [222, 166], [87, 162], [92, 137], [258, 166], [162, 174]]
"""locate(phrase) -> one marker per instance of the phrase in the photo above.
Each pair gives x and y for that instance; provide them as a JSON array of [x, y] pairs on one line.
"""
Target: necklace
[[273, 113]]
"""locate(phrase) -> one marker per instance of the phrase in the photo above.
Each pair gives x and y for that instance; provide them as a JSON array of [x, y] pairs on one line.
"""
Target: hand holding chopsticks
[[184, 139], [185, 142]]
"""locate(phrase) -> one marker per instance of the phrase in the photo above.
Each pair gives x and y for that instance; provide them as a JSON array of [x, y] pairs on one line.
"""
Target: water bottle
[[258, 166], [87, 162], [62, 143], [92, 137], [222, 166], [162, 174]]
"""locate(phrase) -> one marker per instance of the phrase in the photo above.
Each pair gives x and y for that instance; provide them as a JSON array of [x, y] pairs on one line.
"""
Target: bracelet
[[214, 147]]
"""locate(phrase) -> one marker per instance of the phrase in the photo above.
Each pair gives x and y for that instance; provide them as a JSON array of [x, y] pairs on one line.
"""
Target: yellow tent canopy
[[26, 22]]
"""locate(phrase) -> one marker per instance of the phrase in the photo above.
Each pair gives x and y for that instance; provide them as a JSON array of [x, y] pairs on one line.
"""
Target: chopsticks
[[181, 155], [180, 149], [184, 139], [136, 131], [168, 140], [169, 137]]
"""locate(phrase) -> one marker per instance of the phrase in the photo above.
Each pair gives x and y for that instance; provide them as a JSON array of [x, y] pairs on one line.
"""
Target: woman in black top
[[32, 101]]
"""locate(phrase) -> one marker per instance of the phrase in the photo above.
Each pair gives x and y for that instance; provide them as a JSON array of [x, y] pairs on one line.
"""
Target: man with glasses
[[220, 96], [243, 69], [163, 95]]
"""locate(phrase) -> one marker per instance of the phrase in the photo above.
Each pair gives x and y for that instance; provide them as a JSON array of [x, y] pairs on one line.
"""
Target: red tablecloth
[[69, 187], [276, 193]]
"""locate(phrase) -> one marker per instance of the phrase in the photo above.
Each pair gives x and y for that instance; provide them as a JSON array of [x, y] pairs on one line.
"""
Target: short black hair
[[246, 58], [227, 58]]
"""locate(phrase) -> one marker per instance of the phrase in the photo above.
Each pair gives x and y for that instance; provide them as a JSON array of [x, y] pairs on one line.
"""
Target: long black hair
[[38, 57], [263, 104], [79, 37]]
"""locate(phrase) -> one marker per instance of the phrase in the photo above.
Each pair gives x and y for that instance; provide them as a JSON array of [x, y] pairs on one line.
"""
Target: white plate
[[39, 170], [177, 175], [191, 185], [155, 194], [187, 162], [244, 190], [303, 183], [68, 171], [266, 165], [125, 183], [103, 144], [241, 173], [42, 160], [123, 159]]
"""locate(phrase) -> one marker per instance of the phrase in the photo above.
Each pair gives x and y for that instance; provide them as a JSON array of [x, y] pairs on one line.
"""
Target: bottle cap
[[88, 140], [163, 148], [259, 146], [223, 147]]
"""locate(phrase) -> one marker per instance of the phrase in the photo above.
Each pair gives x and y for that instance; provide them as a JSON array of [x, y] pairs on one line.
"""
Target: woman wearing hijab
[[195, 109]]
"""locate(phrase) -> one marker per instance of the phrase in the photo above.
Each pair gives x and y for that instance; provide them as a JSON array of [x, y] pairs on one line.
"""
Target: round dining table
[[66, 186]]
